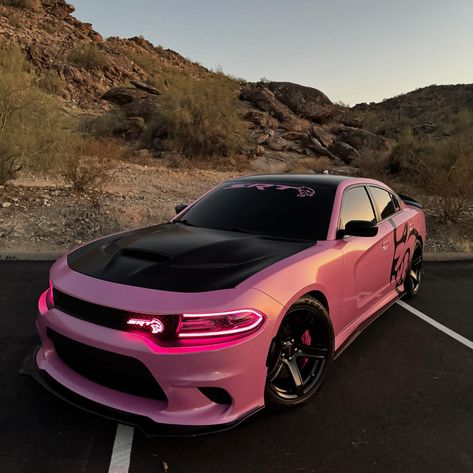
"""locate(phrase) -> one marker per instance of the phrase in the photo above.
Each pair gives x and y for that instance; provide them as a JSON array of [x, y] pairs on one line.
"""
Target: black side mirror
[[361, 228], [180, 207]]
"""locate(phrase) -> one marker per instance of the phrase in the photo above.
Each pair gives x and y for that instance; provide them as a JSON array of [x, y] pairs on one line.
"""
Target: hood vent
[[147, 255]]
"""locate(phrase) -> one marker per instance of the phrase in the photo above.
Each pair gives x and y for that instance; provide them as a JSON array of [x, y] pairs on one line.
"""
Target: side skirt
[[363, 325]]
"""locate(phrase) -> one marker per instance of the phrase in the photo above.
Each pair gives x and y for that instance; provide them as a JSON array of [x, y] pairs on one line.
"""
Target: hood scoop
[[147, 255]]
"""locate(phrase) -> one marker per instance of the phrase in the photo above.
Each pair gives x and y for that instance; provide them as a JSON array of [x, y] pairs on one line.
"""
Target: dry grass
[[308, 164], [89, 57], [50, 82]]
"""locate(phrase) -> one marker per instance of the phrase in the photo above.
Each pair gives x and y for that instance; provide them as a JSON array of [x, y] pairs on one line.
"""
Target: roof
[[304, 179]]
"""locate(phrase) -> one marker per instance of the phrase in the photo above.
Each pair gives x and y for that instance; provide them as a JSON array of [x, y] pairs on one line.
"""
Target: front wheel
[[299, 355]]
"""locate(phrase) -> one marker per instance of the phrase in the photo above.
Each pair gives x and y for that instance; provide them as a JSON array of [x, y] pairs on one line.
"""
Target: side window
[[396, 202], [356, 205], [383, 201]]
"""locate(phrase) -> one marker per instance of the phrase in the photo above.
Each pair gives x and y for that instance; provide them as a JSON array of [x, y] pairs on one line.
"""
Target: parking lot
[[399, 399]]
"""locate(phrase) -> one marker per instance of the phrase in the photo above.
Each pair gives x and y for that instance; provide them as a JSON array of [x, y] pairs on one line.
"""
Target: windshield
[[281, 210]]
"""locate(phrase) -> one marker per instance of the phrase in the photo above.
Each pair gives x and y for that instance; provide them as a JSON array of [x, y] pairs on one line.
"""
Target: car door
[[367, 260], [389, 209]]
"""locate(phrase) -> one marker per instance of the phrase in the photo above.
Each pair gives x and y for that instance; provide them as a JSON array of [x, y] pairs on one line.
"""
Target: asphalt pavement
[[399, 399]]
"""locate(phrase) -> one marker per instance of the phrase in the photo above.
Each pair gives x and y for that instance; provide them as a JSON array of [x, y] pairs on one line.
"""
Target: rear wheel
[[299, 355], [414, 272]]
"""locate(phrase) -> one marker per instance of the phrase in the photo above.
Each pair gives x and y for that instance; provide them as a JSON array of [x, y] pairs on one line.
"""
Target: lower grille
[[119, 372]]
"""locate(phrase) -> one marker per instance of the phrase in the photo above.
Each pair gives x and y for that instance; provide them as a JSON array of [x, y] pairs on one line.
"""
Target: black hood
[[176, 257]]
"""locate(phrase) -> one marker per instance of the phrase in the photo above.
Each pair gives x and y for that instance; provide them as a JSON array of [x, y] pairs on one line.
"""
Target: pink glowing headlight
[[46, 301], [219, 323]]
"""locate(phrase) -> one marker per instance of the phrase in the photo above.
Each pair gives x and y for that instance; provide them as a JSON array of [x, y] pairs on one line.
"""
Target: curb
[[448, 256], [39, 255], [53, 255]]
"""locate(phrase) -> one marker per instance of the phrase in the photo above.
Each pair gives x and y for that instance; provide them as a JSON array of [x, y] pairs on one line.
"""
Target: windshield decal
[[302, 191]]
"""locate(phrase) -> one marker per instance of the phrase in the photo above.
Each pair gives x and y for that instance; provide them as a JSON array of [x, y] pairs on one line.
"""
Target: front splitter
[[148, 427]]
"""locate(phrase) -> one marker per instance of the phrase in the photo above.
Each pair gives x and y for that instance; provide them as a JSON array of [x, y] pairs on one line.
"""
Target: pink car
[[241, 301]]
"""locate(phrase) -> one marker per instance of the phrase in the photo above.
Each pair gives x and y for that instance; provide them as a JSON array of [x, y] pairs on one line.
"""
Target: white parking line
[[437, 325], [120, 461]]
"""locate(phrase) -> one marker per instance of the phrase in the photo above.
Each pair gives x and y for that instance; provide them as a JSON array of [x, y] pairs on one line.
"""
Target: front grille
[[119, 372], [107, 316], [97, 314]]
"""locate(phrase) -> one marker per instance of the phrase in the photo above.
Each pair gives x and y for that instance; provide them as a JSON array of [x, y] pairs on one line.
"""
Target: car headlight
[[46, 300], [197, 326]]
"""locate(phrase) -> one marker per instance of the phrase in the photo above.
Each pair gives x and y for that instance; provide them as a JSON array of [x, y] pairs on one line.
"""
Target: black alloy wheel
[[300, 354]]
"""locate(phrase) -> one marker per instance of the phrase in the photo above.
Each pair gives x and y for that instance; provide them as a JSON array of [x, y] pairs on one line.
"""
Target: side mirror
[[361, 228], [180, 207]]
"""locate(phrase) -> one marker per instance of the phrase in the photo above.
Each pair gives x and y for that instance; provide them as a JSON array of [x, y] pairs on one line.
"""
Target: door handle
[[385, 245]]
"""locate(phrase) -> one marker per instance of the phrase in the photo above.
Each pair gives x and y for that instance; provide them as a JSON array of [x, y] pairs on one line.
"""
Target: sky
[[352, 50]]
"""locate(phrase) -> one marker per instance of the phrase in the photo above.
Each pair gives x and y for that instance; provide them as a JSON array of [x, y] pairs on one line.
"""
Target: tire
[[413, 277], [300, 355]]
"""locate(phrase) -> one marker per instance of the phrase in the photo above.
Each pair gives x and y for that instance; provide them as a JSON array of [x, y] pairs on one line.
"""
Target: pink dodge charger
[[241, 301]]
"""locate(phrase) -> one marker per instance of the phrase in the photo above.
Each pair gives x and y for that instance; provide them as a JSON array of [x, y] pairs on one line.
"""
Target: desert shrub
[[50, 82], [443, 168], [89, 166], [84, 174], [89, 57], [203, 116], [35, 133], [110, 123], [34, 5]]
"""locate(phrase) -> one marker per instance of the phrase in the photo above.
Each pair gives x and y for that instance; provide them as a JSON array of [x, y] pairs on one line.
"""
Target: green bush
[[35, 133], [442, 167], [109, 124], [202, 117], [89, 57]]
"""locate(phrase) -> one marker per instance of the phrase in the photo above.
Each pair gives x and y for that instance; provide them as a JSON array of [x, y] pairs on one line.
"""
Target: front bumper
[[147, 426], [237, 367]]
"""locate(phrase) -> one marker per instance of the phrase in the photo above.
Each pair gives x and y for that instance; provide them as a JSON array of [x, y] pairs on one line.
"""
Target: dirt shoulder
[[43, 213]]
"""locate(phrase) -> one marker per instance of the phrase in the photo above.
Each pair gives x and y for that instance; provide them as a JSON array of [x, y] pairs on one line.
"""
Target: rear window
[[383, 202], [283, 210]]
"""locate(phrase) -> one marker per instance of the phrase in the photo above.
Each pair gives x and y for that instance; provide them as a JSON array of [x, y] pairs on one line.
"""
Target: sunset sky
[[354, 51]]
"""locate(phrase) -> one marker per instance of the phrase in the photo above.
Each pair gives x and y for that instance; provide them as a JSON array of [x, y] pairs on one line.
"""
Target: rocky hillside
[[285, 121], [83, 65], [428, 111]]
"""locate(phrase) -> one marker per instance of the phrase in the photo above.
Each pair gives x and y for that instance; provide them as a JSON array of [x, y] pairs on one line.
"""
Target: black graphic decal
[[402, 253], [302, 191]]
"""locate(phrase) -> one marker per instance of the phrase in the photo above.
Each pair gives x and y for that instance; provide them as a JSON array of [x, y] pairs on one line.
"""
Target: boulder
[[135, 128], [277, 143], [344, 151], [325, 137], [317, 146], [124, 95], [304, 101], [146, 87], [264, 99], [294, 135], [261, 139], [58, 8], [362, 140], [261, 119]]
